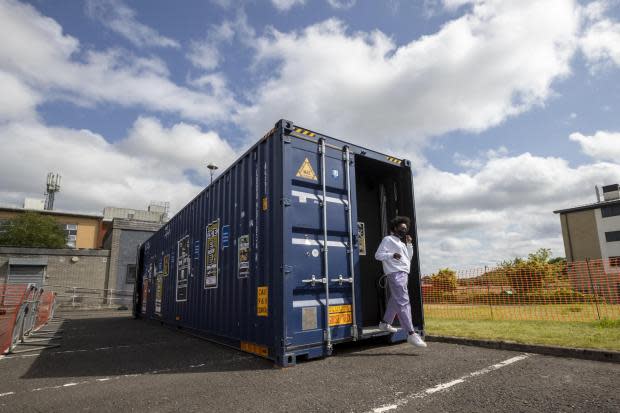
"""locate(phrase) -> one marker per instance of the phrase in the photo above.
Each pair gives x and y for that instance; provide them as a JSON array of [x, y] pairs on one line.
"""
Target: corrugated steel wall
[[242, 204]]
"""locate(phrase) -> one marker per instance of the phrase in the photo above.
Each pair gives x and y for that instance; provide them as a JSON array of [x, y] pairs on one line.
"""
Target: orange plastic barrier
[[574, 291], [45, 309], [11, 298]]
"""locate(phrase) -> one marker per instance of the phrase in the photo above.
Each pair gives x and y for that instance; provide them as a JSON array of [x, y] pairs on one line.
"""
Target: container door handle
[[313, 281], [341, 280]]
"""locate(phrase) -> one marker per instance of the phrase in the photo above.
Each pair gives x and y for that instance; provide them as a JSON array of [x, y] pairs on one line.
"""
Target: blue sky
[[509, 110]]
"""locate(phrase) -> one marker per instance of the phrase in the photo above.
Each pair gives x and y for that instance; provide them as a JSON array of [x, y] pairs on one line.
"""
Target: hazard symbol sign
[[306, 171]]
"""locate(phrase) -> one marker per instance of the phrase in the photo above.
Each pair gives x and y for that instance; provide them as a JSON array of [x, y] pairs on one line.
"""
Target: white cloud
[[472, 74], [285, 5], [206, 54], [121, 19], [601, 43], [342, 4], [17, 100], [88, 76], [152, 162], [603, 145], [501, 210]]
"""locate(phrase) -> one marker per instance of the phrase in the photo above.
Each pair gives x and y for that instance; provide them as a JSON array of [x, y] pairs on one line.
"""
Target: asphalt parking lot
[[110, 362]]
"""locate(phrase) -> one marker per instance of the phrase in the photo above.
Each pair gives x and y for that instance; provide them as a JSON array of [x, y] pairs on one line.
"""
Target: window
[[610, 211], [71, 232], [130, 277], [4, 225], [614, 261], [612, 236]]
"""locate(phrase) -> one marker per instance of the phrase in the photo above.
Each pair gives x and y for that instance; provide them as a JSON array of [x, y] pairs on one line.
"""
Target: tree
[[531, 274], [31, 229], [444, 280]]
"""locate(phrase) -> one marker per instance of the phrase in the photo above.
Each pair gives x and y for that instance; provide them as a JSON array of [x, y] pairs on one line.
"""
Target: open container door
[[383, 190]]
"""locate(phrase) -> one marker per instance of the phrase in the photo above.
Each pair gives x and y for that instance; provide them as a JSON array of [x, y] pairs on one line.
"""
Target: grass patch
[[603, 334], [529, 312]]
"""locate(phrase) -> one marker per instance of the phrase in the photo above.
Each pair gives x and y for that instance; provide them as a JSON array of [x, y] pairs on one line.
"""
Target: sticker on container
[[315, 253], [265, 203], [212, 254], [166, 267], [244, 256], [262, 301], [145, 291], [361, 236], [335, 173], [159, 288], [340, 315], [183, 268], [305, 171], [225, 236]]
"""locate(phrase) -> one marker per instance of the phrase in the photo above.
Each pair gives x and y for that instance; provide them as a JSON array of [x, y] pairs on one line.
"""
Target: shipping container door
[[319, 281]]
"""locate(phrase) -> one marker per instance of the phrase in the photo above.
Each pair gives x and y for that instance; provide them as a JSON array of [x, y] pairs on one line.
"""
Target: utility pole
[[212, 168]]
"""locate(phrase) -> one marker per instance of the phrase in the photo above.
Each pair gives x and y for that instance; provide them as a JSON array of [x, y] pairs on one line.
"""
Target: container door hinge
[[354, 332], [285, 202], [286, 269]]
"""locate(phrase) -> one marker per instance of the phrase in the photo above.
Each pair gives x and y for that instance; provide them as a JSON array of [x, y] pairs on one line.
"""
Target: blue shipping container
[[276, 256]]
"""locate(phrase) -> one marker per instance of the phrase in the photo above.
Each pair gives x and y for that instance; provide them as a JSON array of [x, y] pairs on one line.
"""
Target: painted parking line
[[84, 350], [124, 376], [443, 386]]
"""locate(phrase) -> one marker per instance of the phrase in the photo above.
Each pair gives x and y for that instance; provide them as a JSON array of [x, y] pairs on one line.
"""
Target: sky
[[508, 110]]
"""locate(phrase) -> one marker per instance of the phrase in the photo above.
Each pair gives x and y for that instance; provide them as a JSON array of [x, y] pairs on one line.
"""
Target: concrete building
[[593, 231], [98, 266], [122, 239], [77, 276], [84, 231]]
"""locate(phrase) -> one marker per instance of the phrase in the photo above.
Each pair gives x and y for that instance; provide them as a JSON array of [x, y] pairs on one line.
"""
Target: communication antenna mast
[[53, 186]]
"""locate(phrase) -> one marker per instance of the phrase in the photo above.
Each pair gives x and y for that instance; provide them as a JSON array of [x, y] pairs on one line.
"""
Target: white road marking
[[48, 353], [147, 373], [440, 387]]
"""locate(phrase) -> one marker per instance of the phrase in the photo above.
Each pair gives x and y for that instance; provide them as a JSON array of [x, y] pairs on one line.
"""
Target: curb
[[579, 353]]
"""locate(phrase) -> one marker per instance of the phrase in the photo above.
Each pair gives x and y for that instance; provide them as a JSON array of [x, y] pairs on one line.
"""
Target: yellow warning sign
[[254, 349], [306, 171], [340, 315], [262, 302]]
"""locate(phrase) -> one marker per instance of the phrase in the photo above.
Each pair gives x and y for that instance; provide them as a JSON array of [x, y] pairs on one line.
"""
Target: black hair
[[394, 223]]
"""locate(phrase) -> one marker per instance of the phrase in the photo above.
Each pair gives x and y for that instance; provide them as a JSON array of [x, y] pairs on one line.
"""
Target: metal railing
[[20, 314], [75, 298]]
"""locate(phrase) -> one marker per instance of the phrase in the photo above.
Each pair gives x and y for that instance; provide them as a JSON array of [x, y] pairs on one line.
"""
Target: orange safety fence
[[12, 296], [575, 291], [45, 308]]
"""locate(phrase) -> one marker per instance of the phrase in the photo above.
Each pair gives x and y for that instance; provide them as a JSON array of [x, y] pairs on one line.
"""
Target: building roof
[[595, 205], [46, 212]]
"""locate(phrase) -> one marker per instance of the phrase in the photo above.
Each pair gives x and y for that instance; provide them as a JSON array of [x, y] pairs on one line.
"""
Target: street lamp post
[[212, 168]]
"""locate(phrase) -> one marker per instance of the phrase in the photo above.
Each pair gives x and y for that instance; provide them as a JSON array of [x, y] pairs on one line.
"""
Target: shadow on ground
[[114, 344]]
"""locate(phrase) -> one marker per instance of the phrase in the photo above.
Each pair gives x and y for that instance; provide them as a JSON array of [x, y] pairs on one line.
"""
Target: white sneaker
[[386, 327], [416, 340]]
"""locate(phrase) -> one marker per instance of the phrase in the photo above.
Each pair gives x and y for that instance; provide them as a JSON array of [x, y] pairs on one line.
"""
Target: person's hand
[[396, 256], [408, 239]]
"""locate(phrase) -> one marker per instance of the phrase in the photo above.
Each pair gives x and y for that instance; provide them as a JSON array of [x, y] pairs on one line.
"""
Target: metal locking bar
[[327, 331], [350, 248]]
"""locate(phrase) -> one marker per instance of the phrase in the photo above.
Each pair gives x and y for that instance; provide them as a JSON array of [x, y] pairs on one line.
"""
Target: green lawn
[[603, 334], [530, 312]]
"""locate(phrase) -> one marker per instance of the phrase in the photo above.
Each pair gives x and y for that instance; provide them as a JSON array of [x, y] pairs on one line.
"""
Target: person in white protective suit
[[395, 253]]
